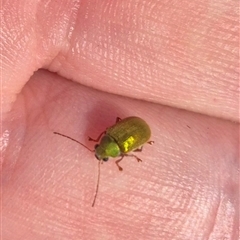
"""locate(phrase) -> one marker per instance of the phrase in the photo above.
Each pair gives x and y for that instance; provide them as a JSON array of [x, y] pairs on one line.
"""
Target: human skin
[[172, 63]]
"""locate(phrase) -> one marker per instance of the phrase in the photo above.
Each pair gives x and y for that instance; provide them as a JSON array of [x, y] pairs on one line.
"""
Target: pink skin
[[181, 58]]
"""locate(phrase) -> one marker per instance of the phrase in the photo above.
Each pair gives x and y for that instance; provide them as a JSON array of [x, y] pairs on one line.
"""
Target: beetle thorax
[[107, 148]]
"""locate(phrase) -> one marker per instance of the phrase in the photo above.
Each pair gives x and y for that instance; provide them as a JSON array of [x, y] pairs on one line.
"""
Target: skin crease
[[172, 63]]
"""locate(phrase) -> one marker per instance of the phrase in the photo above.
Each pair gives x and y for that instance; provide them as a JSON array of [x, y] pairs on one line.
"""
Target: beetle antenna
[[73, 140], [97, 187]]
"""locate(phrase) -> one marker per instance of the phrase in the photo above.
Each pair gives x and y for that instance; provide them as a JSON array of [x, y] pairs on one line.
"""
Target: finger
[[147, 54]]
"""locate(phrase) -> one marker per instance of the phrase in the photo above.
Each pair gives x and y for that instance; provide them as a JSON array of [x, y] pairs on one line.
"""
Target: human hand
[[172, 63]]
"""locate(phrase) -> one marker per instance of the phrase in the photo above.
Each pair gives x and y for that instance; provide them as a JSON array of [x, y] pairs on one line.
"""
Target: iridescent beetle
[[126, 135]]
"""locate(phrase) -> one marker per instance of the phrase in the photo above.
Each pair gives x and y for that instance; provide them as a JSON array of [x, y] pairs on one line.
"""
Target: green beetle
[[123, 137], [126, 135]]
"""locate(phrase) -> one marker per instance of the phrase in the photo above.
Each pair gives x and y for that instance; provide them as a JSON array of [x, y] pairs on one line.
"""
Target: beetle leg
[[118, 119], [128, 155], [138, 149], [119, 160], [132, 155], [96, 140], [141, 148]]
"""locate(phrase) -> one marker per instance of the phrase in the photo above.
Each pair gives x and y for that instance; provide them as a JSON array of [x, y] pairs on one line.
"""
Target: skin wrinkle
[[213, 221]]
